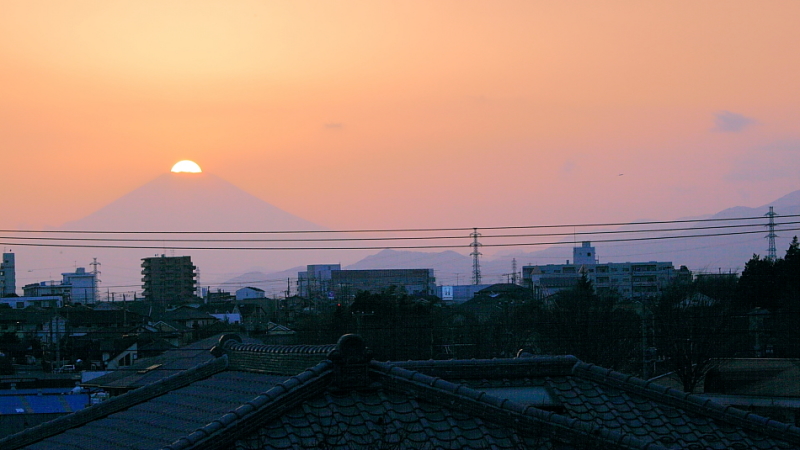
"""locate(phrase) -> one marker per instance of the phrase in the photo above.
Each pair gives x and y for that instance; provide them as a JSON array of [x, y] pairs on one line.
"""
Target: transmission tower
[[772, 253], [476, 264], [96, 274], [514, 271]]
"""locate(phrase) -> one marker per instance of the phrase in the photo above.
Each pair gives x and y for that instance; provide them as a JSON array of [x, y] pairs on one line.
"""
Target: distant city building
[[8, 275], [249, 292], [315, 282], [459, 294], [168, 279], [75, 287], [329, 281], [218, 296], [345, 284], [83, 285], [44, 301], [629, 279]]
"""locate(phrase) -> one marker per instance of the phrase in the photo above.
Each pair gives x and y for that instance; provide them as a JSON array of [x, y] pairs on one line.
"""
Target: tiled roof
[[347, 401]]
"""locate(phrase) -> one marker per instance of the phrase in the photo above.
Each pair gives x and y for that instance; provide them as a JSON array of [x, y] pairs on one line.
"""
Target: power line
[[399, 238], [408, 247], [396, 230]]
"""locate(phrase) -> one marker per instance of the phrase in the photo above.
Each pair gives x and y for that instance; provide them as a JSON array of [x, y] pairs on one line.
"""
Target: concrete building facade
[[169, 279]]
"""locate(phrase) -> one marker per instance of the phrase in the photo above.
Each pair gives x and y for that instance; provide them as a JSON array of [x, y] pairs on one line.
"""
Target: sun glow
[[186, 166]]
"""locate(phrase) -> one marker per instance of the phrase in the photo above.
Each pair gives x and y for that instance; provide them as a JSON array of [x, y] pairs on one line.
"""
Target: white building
[[629, 279], [75, 287], [249, 292]]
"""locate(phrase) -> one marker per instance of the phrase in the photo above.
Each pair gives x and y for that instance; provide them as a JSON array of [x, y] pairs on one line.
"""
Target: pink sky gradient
[[404, 114]]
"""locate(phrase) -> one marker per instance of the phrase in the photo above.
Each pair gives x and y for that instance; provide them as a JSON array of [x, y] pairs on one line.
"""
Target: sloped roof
[[147, 371], [348, 401]]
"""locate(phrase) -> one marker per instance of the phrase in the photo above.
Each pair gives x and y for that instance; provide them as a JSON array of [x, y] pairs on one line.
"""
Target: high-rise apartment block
[[169, 279]]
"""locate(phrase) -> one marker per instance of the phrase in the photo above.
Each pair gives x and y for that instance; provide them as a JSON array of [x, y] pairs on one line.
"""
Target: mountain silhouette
[[172, 203], [190, 202]]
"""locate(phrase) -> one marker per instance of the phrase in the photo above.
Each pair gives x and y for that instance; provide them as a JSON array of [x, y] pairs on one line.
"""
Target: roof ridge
[[115, 404], [689, 402], [251, 415], [536, 366], [323, 349], [495, 409]]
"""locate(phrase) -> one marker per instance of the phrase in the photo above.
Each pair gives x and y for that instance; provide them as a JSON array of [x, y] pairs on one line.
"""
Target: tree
[[774, 286], [692, 331], [594, 328], [757, 287]]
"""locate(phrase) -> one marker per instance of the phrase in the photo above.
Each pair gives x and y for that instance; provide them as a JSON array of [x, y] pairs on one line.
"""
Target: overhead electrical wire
[[398, 230], [400, 238], [405, 247]]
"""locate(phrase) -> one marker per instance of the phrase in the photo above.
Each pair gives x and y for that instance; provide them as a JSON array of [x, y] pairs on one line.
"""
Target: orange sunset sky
[[404, 114]]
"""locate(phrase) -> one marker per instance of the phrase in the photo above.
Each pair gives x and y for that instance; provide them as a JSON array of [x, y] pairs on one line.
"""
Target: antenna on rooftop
[[476, 264], [772, 253]]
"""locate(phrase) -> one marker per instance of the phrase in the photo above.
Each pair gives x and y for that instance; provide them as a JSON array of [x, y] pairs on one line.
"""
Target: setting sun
[[186, 166]]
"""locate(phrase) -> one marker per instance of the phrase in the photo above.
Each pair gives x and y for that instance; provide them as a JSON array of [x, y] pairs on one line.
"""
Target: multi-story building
[[75, 287], [629, 279], [8, 275], [169, 279]]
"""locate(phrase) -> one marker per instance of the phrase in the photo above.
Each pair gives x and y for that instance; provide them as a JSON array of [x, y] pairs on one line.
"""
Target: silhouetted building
[[8, 275], [168, 279], [345, 284]]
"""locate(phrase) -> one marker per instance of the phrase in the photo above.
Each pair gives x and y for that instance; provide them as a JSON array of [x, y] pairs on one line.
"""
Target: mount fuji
[[169, 215]]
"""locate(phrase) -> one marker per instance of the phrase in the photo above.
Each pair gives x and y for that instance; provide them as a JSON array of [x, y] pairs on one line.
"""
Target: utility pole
[[476, 264], [772, 253]]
